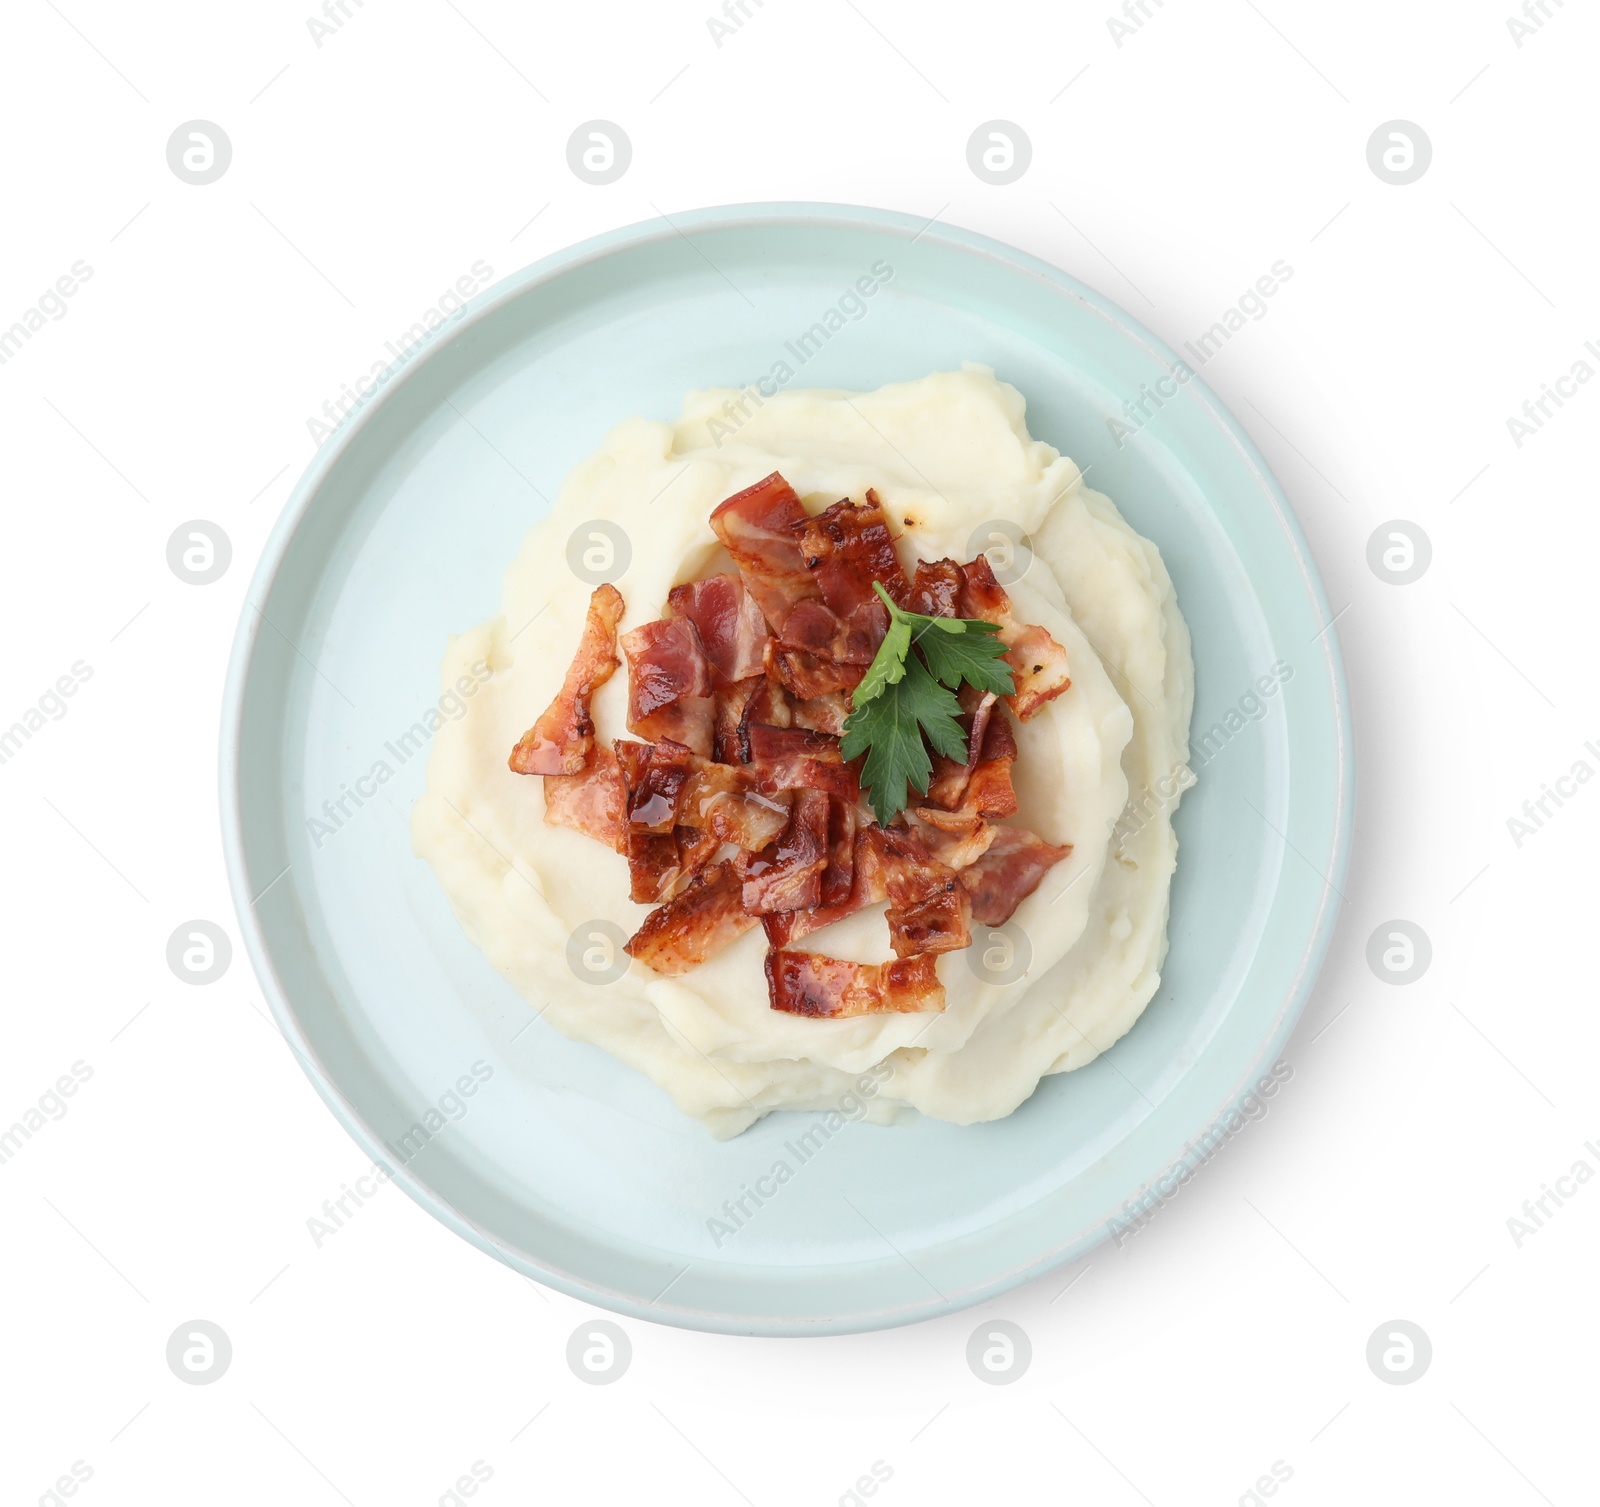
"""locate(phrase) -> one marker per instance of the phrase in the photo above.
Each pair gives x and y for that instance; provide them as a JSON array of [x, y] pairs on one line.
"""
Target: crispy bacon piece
[[959, 846], [732, 629], [899, 866], [654, 865], [808, 983], [1038, 663], [722, 799], [806, 675], [787, 876], [866, 888], [758, 527], [594, 801], [649, 838], [669, 684], [838, 877], [822, 714], [560, 741], [1008, 872], [656, 774], [948, 782], [927, 909], [941, 923], [982, 595], [702, 919], [853, 639], [935, 589], [988, 793], [669, 786], [756, 699], [1038, 667], [849, 547], [793, 758], [696, 848]]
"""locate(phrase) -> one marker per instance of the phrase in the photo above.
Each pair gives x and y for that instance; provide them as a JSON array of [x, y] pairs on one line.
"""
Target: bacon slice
[[838, 877], [787, 876], [941, 923], [649, 839], [822, 714], [960, 846], [560, 741], [808, 983], [594, 801], [793, 758], [948, 782], [670, 786], [756, 699], [851, 639], [669, 684], [731, 626], [1038, 663], [987, 793], [849, 547], [702, 919], [1008, 872], [656, 774], [1038, 668], [722, 799], [806, 675], [758, 527], [935, 589], [866, 888]]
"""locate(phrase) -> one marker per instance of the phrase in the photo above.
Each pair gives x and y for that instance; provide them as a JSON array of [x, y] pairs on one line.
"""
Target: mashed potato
[[1100, 767]]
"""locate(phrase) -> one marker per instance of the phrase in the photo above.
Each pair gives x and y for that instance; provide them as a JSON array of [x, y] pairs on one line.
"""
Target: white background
[[1170, 172]]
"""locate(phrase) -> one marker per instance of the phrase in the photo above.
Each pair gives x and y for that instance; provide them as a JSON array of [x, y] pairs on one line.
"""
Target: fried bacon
[[794, 758], [656, 774], [806, 675], [741, 692], [1008, 872], [820, 631], [935, 589], [822, 714], [593, 801], [758, 527], [669, 684], [808, 983], [849, 547], [671, 786], [960, 846], [561, 740], [987, 793], [701, 919], [731, 626], [757, 699], [722, 799], [787, 875], [1038, 663], [941, 923], [866, 888], [838, 876]]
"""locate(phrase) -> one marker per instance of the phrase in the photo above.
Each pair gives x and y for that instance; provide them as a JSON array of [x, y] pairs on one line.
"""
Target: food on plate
[[851, 742]]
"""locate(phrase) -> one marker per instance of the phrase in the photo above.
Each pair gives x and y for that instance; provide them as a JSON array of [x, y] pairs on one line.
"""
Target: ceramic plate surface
[[566, 1165]]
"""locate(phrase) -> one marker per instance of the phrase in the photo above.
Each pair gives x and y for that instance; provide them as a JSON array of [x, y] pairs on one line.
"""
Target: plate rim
[[547, 269]]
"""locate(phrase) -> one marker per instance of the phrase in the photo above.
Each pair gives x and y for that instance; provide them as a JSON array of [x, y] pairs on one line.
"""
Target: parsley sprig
[[908, 696]]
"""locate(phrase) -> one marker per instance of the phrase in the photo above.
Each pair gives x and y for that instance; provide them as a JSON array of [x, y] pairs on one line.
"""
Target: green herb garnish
[[908, 695]]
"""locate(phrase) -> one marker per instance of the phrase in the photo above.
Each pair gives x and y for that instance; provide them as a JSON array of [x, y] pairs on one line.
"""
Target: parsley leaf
[[907, 697], [974, 656], [890, 729]]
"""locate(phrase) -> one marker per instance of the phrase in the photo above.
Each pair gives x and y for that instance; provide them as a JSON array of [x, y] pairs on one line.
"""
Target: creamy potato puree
[[945, 454]]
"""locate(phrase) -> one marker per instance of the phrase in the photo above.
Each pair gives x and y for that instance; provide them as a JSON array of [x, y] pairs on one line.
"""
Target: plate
[[549, 1154]]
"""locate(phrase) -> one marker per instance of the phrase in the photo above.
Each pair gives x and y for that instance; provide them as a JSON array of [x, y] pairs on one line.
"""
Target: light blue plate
[[562, 1163]]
